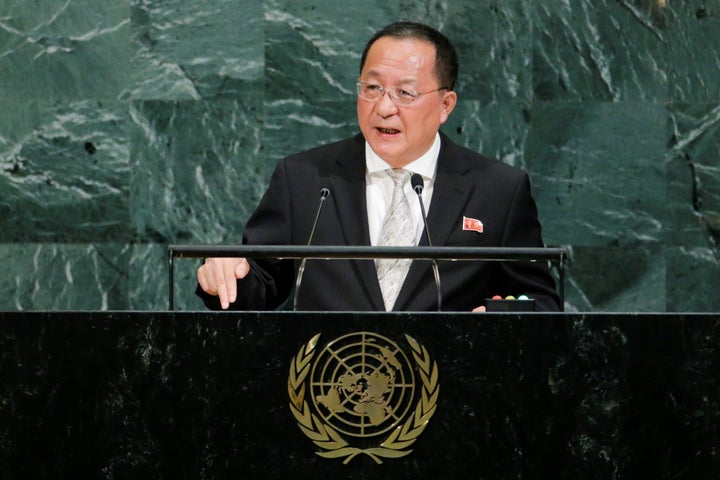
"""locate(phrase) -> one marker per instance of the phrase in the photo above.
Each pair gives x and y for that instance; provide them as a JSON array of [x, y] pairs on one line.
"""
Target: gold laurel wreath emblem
[[332, 443]]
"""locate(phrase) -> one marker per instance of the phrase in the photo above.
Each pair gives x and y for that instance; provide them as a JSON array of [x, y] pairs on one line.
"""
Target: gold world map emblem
[[360, 394]]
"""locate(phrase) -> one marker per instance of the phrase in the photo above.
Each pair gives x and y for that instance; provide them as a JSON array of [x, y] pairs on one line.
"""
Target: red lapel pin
[[472, 224]]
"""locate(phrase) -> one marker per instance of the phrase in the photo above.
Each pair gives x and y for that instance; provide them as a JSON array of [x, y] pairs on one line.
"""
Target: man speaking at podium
[[405, 92]]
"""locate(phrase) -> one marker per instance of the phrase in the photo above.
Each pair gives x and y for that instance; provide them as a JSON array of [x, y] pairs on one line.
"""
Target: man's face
[[400, 135]]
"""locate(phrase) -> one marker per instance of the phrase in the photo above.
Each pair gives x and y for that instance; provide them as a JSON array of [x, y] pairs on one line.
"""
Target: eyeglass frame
[[392, 93]]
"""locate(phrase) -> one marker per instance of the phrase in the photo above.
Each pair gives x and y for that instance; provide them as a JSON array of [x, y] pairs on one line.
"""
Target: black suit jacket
[[467, 184]]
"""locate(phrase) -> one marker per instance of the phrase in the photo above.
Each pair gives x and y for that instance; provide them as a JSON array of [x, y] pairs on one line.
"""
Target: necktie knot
[[399, 176]]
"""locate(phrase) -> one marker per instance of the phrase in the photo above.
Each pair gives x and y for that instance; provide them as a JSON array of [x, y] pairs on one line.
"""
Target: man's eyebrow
[[372, 73], [403, 81], [411, 80]]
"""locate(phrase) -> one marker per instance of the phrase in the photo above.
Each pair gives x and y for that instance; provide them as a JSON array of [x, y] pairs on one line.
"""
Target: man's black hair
[[446, 61]]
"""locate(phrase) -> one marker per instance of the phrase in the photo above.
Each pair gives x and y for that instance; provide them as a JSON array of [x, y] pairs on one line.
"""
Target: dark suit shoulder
[[459, 159], [330, 152]]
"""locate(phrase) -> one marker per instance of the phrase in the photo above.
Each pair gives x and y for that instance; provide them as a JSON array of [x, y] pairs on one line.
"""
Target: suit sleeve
[[269, 282], [523, 230]]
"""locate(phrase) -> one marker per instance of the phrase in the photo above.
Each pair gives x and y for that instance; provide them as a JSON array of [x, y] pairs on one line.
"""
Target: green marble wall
[[127, 125]]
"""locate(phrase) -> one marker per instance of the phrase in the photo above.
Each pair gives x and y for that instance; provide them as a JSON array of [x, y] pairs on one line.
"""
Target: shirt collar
[[425, 165]]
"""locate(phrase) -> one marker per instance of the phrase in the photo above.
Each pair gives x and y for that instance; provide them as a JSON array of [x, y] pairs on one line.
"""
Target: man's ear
[[448, 104]]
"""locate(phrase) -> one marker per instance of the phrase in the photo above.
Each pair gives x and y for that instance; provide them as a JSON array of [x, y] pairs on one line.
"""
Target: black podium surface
[[117, 395]]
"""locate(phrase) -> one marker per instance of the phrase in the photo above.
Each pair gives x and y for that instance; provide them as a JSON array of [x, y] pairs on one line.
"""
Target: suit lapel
[[450, 195], [349, 194]]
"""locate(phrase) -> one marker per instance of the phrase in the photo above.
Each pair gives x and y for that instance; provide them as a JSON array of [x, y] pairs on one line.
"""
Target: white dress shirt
[[379, 188]]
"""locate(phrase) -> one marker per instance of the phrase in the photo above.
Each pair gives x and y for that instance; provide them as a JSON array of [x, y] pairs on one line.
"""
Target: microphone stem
[[323, 195], [436, 270]]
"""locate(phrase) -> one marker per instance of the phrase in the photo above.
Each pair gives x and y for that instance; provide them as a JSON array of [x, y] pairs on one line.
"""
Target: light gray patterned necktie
[[397, 230]]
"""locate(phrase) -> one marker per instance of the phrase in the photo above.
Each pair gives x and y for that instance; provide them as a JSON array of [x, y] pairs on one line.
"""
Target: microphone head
[[324, 192], [417, 183]]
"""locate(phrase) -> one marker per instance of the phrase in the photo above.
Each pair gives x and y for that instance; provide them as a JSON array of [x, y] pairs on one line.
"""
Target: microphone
[[418, 185], [324, 193]]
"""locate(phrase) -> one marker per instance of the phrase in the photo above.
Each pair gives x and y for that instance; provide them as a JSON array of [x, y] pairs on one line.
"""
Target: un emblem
[[361, 395]]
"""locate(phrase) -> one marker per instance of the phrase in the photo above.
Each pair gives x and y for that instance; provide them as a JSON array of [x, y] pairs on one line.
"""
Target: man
[[405, 93]]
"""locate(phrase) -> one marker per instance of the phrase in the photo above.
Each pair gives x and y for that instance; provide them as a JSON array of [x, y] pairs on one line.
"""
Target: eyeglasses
[[402, 97]]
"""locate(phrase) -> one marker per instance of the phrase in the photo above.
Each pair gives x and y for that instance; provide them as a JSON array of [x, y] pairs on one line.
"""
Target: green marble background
[[127, 125]]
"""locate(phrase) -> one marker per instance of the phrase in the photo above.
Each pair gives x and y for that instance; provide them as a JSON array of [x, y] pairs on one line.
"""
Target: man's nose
[[385, 106]]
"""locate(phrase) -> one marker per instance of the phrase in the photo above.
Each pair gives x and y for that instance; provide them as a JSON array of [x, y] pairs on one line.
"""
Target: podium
[[210, 395]]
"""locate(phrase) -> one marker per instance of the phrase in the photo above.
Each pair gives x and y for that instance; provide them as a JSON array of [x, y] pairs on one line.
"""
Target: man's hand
[[481, 308], [219, 276]]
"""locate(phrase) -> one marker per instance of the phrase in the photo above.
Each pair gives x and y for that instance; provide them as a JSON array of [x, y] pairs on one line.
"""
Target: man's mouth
[[388, 131]]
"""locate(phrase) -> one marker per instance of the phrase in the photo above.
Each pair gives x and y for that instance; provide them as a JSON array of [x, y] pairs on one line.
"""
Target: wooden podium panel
[[208, 395]]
